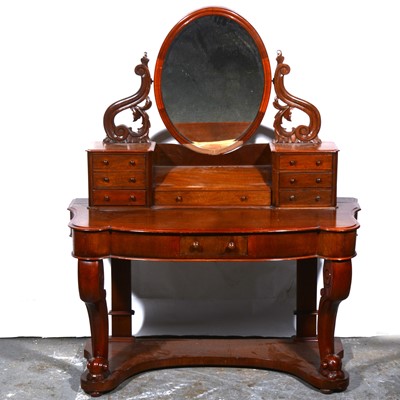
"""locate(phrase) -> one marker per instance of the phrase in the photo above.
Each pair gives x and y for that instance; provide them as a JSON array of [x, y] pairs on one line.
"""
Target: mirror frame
[[208, 11]]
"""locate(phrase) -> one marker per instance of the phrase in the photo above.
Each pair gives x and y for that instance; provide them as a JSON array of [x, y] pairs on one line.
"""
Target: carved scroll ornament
[[123, 133], [301, 133]]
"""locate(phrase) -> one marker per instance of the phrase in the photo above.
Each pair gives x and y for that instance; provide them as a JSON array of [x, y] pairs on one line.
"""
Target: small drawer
[[119, 197], [118, 161], [121, 180], [309, 162], [303, 179], [308, 198], [214, 247]]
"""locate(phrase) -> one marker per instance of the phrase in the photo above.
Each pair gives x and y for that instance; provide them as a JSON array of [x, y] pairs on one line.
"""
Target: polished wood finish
[[260, 202], [301, 133], [219, 234], [120, 175], [304, 175], [123, 133]]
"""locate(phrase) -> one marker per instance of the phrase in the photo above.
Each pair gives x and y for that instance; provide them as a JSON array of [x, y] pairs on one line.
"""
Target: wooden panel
[[139, 246], [291, 245], [174, 154], [212, 177]]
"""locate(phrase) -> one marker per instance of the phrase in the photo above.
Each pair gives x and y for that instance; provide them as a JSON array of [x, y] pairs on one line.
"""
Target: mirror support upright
[[123, 133], [301, 133]]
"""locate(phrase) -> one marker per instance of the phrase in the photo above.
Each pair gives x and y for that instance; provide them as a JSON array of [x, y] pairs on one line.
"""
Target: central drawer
[[213, 246], [229, 198]]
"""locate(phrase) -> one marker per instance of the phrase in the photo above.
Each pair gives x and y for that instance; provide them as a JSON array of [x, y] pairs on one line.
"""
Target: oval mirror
[[212, 81]]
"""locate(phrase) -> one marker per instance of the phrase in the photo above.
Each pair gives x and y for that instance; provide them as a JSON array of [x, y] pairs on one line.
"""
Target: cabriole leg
[[91, 290], [337, 282]]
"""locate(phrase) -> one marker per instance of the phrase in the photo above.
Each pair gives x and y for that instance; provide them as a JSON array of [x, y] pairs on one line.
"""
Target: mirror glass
[[212, 81]]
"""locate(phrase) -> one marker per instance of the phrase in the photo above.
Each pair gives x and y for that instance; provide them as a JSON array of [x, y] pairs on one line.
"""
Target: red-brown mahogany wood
[[220, 234]]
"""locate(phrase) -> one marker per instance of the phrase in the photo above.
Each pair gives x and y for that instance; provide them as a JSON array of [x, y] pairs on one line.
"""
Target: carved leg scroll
[[337, 282], [91, 290]]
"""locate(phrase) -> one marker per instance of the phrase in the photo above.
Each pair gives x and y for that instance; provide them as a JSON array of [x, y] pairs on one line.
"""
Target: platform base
[[130, 356]]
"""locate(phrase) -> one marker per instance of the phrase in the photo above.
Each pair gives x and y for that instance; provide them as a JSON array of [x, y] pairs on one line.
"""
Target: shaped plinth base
[[130, 356]]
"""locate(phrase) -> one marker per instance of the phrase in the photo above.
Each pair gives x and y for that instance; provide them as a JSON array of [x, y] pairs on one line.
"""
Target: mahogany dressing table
[[213, 197]]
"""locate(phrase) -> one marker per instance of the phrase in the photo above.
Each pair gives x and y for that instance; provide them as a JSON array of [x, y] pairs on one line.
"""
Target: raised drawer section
[[119, 179], [213, 198], [305, 179], [118, 161], [306, 197], [119, 197], [214, 247], [308, 162]]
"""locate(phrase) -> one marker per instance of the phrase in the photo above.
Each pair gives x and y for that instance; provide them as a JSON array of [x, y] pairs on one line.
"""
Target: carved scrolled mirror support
[[123, 133], [301, 133]]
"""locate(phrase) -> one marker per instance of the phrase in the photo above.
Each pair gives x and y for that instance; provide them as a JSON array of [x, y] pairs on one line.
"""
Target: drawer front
[[122, 180], [214, 247], [213, 198], [309, 198], [119, 197], [118, 161], [309, 162], [303, 179]]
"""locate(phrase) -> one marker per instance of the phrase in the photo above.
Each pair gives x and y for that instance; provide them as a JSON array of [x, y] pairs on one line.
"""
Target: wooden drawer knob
[[318, 180], [106, 198], [132, 162], [292, 197], [292, 162], [179, 199], [106, 179], [231, 246], [195, 246], [132, 180], [317, 198], [132, 197], [106, 162], [292, 181], [318, 163]]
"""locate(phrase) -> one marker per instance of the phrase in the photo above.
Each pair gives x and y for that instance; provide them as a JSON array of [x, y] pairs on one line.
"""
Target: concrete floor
[[41, 369]]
